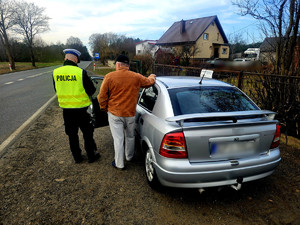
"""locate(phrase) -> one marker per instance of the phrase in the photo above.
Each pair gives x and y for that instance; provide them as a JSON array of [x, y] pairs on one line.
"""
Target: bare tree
[[6, 23], [73, 41], [237, 43], [30, 20], [279, 19], [186, 52], [100, 44], [109, 45]]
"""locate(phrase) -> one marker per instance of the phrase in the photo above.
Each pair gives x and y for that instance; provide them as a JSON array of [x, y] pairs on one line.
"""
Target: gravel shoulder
[[40, 184]]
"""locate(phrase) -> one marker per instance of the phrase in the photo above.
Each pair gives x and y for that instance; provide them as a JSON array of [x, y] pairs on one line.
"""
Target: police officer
[[73, 88]]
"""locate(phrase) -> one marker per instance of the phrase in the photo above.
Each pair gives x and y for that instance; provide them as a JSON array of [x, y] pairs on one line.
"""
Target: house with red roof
[[147, 46], [204, 37]]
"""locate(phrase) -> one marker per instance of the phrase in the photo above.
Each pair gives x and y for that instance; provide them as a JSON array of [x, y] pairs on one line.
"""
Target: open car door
[[99, 117]]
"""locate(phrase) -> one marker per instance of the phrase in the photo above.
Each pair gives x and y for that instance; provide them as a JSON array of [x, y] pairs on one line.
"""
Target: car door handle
[[141, 121]]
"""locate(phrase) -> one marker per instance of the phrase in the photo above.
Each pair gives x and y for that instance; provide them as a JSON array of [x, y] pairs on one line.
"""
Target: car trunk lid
[[226, 135]]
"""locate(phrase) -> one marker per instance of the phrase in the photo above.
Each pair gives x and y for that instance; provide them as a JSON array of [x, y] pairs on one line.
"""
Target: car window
[[148, 98], [97, 81], [209, 99]]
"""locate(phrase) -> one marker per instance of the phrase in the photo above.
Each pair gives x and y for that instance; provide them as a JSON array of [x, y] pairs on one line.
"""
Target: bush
[[147, 62]]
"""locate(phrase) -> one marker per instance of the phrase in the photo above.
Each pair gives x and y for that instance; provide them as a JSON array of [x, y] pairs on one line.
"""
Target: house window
[[218, 36], [205, 36], [139, 51], [224, 50]]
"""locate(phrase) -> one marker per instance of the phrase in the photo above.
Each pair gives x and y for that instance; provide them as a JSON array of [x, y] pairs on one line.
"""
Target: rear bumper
[[183, 174]]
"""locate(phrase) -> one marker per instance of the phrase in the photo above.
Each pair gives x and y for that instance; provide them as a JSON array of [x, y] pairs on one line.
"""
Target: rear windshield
[[209, 99]]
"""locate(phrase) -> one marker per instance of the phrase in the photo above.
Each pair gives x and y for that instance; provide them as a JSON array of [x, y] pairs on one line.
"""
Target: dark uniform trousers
[[79, 118]]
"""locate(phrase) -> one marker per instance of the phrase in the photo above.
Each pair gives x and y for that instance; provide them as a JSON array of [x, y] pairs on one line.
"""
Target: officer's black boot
[[90, 146], [75, 149], [92, 154]]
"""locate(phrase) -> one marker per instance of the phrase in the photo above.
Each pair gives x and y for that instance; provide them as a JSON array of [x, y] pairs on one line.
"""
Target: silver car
[[204, 133]]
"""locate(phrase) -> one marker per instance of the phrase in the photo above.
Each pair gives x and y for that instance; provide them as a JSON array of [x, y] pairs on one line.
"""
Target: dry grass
[[40, 184], [290, 141], [100, 69], [20, 66]]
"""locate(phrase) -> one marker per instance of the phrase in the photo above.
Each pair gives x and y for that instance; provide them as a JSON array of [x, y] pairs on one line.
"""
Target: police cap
[[73, 52]]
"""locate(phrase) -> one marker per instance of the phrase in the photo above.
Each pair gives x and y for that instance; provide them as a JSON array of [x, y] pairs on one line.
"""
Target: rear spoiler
[[222, 115]]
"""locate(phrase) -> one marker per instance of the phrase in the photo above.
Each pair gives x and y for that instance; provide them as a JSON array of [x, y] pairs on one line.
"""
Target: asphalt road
[[22, 94]]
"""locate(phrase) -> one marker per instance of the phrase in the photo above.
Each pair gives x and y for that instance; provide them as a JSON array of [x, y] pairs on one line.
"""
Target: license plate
[[232, 149]]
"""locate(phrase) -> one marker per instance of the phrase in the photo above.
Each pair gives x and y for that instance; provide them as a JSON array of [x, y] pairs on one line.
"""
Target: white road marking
[[39, 74], [32, 76]]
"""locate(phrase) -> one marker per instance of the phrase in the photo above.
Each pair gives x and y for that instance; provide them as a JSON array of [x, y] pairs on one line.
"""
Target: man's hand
[[153, 76], [103, 109]]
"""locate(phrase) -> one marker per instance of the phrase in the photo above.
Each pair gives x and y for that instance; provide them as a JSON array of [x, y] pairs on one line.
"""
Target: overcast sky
[[147, 20]]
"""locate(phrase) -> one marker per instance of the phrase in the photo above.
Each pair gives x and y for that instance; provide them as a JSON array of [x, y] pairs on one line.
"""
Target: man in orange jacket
[[118, 96]]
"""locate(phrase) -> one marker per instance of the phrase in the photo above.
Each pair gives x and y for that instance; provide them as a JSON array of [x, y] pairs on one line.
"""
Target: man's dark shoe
[[94, 158], [78, 160], [114, 165]]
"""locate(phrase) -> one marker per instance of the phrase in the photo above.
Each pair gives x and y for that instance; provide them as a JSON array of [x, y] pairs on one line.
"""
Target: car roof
[[186, 81]]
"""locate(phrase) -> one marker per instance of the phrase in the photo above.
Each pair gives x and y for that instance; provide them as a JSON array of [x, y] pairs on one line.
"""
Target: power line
[[243, 28]]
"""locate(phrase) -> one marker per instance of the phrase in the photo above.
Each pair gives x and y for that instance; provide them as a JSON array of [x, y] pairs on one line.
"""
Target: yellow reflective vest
[[69, 87]]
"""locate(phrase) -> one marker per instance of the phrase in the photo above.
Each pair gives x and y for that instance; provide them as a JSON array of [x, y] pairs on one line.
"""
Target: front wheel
[[150, 171]]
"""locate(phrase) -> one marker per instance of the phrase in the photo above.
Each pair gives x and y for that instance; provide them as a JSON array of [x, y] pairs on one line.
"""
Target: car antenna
[[202, 76]]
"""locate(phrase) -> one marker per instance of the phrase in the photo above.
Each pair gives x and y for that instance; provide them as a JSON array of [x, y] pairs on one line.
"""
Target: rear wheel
[[150, 171]]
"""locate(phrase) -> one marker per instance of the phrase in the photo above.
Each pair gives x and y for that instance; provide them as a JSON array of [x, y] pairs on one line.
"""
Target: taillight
[[276, 139], [173, 146]]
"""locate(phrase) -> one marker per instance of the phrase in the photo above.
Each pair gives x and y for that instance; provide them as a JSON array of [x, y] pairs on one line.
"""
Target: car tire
[[150, 171]]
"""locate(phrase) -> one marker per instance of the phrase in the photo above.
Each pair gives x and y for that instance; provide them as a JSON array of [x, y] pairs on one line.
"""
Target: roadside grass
[[290, 141], [98, 64], [102, 72], [100, 69], [20, 66]]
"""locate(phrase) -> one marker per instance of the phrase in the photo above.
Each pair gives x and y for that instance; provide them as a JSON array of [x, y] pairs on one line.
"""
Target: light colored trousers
[[122, 130]]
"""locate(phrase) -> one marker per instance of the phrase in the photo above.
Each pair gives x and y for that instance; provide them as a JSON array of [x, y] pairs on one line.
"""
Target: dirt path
[[40, 184]]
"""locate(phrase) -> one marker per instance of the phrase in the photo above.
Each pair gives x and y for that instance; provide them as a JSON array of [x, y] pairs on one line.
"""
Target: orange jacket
[[119, 91]]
